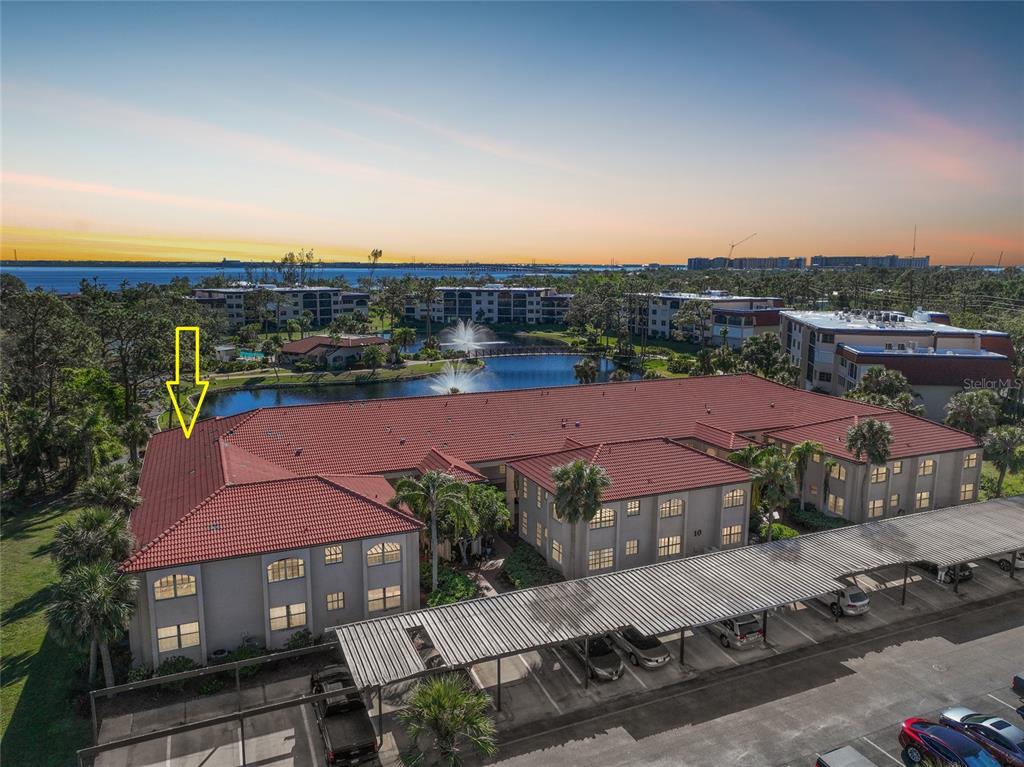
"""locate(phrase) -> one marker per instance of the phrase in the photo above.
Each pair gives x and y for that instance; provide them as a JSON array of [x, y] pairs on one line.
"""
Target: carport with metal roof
[[676, 595]]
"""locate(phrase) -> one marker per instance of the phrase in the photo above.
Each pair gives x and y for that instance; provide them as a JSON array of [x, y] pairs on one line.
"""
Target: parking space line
[[309, 733], [566, 666], [543, 689], [715, 643], [797, 629], [1008, 705], [881, 750], [628, 666], [167, 760]]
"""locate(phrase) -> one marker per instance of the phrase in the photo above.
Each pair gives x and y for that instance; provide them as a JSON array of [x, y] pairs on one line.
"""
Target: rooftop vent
[[401, 441], [298, 451]]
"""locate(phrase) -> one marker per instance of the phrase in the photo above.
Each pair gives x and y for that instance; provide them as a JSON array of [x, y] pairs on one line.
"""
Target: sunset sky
[[498, 132]]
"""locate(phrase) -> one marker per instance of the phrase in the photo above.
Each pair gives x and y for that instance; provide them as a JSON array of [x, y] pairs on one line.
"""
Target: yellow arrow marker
[[171, 385]]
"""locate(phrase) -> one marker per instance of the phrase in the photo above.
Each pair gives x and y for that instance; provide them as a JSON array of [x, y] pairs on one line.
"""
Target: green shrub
[[175, 665], [678, 363], [813, 520], [300, 639], [244, 652], [452, 586], [525, 567], [780, 532], [212, 684], [140, 673]]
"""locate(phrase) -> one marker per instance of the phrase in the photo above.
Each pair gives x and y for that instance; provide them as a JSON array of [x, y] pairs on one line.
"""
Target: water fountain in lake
[[454, 378], [467, 336]]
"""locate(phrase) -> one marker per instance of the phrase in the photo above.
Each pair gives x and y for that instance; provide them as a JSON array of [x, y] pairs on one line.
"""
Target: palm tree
[[404, 337], [774, 477], [92, 604], [801, 454], [112, 487], [373, 257], [83, 435], [586, 370], [135, 432], [94, 535], [871, 440], [433, 495], [1004, 446], [704, 363], [974, 412], [578, 489], [692, 318], [427, 294], [271, 346], [293, 327], [373, 357], [827, 466], [452, 716]]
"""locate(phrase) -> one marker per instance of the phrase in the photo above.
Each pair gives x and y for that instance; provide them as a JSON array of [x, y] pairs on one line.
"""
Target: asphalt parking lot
[[543, 687]]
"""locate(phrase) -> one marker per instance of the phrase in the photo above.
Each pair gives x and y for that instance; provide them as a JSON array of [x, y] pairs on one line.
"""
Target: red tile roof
[[911, 435], [275, 515], [435, 460], [305, 345], [395, 435], [638, 467], [727, 440]]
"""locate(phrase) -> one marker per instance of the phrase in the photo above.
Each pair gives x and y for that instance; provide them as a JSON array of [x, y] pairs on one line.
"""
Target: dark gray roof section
[[689, 592]]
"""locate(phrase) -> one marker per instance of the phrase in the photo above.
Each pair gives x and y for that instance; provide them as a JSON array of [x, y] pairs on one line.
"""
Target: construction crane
[[732, 245]]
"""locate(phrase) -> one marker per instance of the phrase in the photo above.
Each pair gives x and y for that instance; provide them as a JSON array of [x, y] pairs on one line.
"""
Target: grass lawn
[[1013, 484], [38, 726], [564, 335]]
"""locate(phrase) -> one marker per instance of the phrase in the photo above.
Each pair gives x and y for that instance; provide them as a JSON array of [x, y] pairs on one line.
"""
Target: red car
[[923, 740]]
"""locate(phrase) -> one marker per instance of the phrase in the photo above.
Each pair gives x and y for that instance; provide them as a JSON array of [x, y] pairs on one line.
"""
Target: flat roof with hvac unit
[[682, 593]]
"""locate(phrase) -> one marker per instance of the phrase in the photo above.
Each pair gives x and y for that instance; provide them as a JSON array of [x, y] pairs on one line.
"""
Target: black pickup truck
[[344, 722]]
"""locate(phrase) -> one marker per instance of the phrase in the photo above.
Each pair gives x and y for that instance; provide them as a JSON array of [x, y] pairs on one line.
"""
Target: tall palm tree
[[827, 466], [270, 348], [871, 440], [430, 496], [773, 477], [801, 454], [135, 432], [112, 487], [451, 715], [578, 489], [93, 604], [1004, 446], [974, 411], [373, 357], [586, 370], [94, 535], [83, 435], [404, 337], [427, 294], [704, 362], [746, 457]]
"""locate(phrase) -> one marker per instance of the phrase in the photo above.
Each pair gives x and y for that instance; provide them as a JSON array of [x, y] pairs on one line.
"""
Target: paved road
[[782, 711]]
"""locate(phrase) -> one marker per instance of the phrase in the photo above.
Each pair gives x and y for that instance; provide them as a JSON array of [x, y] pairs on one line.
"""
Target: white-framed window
[[286, 569], [501, 470], [879, 474], [732, 534], [812, 489], [926, 468], [734, 498], [970, 460], [632, 546], [894, 501], [632, 508], [923, 499], [672, 544], [177, 585], [816, 457], [604, 518], [383, 553], [336, 600], [288, 616], [673, 507], [897, 467], [556, 551], [967, 491], [839, 471], [600, 559], [334, 554], [387, 598], [836, 504], [876, 507], [177, 637], [539, 534], [554, 511]]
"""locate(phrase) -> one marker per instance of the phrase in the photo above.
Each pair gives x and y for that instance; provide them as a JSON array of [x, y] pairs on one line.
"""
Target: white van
[[849, 600]]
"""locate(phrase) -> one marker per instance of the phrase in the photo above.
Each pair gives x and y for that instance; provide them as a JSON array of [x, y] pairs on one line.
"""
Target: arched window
[[734, 498], [671, 508], [178, 585], [286, 569], [383, 553]]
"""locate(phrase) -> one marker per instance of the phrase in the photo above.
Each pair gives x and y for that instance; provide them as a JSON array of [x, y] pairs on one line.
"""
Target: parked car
[[849, 600], [1004, 740], [1005, 560], [738, 632], [344, 723], [923, 740], [966, 573], [646, 651], [599, 659], [847, 756]]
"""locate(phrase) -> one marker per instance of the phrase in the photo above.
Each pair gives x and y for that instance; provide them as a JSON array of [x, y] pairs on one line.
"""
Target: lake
[[500, 373]]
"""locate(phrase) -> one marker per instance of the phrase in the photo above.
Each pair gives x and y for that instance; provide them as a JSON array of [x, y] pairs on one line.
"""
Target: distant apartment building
[[760, 262], [884, 262], [833, 350], [740, 317], [289, 303], [492, 304]]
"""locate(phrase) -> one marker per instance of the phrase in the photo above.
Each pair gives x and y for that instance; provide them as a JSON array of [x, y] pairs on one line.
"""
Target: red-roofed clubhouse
[[276, 520]]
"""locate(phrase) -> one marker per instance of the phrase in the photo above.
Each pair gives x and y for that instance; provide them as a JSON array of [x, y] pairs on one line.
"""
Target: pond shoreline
[[315, 383]]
